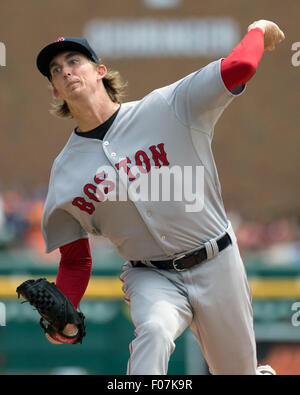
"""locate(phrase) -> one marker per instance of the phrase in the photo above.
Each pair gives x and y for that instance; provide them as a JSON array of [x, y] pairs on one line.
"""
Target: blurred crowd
[[20, 219], [257, 236], [276, 242], [20, 227]]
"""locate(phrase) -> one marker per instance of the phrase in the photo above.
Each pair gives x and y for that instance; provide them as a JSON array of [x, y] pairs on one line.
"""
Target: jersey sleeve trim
[[235, 92], [53, 247]]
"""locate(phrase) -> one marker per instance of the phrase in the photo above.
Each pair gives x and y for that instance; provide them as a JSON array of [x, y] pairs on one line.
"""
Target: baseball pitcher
[[182, 263]]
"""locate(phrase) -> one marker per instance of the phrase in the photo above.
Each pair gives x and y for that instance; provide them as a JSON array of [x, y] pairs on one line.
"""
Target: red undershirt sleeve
[[74, 270], [241, 64]]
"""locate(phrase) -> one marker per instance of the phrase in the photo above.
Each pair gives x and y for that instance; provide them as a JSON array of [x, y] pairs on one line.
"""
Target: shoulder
[[75, 145], [64, 150]]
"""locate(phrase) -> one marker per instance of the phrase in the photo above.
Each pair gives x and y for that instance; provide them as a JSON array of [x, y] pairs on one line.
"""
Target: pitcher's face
[[73, 74]]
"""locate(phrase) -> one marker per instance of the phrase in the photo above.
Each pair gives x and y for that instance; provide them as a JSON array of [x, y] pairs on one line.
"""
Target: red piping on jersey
[[241, 64], [130, 347], [129, 362]]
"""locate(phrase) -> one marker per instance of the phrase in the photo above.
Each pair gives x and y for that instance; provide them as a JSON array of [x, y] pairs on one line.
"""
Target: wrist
[[67, 336], [70, 330], [260, 29]]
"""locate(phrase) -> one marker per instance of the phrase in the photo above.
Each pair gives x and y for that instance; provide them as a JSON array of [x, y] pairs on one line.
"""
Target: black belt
[[185, 262]]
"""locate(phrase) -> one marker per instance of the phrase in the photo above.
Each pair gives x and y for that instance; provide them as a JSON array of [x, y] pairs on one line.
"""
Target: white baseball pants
[[212, 298]]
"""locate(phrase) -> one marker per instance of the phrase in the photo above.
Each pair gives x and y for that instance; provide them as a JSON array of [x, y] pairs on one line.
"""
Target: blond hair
[[113, 84]]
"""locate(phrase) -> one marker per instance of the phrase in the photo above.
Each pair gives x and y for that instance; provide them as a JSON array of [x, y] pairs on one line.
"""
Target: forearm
[[74, 270], [241, 64]]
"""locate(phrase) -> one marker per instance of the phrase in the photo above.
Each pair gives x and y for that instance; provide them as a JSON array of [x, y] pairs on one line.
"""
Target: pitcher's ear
[[102, 70]]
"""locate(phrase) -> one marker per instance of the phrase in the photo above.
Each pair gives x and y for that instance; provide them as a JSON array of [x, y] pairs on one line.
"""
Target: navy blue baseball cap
[[60, 45]]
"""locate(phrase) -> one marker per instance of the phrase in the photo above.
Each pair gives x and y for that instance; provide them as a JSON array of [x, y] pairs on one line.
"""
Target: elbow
[[237, 72]]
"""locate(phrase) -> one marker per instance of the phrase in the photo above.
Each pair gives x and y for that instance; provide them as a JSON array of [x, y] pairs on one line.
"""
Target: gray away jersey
[[170, 129]]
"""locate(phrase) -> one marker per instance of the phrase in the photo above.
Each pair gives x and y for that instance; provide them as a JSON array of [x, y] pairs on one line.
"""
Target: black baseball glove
[[55, 308]]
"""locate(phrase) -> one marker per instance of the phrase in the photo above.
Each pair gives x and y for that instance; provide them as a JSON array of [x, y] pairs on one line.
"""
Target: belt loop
[[215, 247], [209, 250], [148, 263], [231, 233]]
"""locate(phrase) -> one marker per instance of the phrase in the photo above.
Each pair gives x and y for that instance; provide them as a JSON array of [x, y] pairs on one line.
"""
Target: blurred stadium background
[[256, 145]]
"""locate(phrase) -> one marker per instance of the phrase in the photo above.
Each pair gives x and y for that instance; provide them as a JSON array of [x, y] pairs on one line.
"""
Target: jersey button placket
[[107, 151]]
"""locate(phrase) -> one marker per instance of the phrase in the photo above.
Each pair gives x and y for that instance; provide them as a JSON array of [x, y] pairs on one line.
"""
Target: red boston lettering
[[100, 178], [159, 156], [93, 192], [123, 165], [81, 203], [141, 162]]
